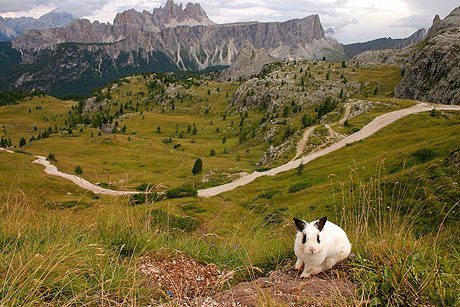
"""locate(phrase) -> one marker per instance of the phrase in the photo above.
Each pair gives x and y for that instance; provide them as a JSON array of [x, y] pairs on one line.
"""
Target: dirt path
[[203, 228], [346, 114], [83, 183], [303, 142], [374, 126], [306, 135], [371, 128]]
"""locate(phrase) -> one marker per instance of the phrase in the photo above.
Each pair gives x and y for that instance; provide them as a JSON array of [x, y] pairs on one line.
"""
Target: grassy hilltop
[[396, 193]]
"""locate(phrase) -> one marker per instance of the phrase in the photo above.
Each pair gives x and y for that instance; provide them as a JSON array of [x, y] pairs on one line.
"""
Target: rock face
[[146, 41], [385, 56], [249, 61], [432, 70], [6, 32], [17, 26], [352, 50]]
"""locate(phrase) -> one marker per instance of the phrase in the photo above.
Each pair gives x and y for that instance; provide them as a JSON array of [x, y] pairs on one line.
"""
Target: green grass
[[395, 193]]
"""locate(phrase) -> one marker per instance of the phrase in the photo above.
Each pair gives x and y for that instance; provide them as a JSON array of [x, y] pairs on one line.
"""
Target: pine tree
[[22, 142], [78, 170], [197, 167]]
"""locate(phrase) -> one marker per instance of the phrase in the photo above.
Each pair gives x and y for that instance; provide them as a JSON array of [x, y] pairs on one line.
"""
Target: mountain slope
[[136, 38], [432, 70], [53, 19], [352, 50]]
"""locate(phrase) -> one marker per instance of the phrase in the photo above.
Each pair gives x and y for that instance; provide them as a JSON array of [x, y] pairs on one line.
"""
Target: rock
[[432, 70], [169, 39], [249, 61], [352, 50], [369, 59], [17, 26]]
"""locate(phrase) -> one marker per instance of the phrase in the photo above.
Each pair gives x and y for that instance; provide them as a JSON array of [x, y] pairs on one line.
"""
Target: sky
[[351, 20]]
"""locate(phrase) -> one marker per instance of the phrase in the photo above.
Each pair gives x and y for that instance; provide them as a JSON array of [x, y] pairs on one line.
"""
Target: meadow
[[395, 193]]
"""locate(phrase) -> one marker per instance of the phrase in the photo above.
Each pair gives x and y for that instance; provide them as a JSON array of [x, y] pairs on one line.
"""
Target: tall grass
[[395, 264], [69, 257], [73, 258]]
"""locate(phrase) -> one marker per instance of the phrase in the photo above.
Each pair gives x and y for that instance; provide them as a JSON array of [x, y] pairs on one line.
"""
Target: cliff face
[[186, 37], [432, 70], [249, 61]]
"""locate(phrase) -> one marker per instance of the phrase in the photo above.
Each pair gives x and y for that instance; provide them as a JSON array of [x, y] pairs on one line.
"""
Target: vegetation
[[395, 193], [197, 167]]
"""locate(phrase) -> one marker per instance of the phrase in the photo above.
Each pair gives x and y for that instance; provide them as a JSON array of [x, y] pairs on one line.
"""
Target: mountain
[[249, 61], [432, 70], [53, 19], [6, 32], [171, 38], [383, 43]]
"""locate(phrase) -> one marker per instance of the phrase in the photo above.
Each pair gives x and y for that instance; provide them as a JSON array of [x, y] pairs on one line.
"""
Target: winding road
[[368, 130]]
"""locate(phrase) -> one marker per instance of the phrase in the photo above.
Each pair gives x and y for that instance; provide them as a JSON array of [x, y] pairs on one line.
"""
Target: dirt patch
[[179, 278], [284, 287], [182, 281]]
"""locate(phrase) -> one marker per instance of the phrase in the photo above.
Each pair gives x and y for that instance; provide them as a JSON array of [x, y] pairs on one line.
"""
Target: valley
[[160, 161], [157, 126]]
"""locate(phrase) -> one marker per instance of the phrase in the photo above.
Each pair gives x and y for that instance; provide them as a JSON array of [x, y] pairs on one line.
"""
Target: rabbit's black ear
[[320, 224], [300, 224]]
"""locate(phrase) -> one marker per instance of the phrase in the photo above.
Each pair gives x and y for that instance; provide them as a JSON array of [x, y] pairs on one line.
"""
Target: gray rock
[[249, 61], [432, 69], [369, 59]]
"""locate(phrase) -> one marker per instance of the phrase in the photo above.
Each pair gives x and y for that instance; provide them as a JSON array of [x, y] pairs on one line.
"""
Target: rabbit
[[319, 245]]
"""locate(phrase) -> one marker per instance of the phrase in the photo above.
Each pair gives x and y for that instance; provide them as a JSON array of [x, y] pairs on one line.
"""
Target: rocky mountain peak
[[451, 21], [172, 15], [432, 70]]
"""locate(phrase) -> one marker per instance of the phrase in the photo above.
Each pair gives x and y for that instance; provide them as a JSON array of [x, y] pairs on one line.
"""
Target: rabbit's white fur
[[316, 257]]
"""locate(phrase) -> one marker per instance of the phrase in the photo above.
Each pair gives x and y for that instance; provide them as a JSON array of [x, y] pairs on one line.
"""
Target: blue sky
[[351, 20]]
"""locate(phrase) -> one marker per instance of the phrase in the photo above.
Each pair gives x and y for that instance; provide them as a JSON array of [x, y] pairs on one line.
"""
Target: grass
[[394, 264], [395, 193]]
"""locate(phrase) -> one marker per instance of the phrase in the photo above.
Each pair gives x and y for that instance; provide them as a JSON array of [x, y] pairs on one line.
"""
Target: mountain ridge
[[17, 26], [136, 40], [354, 49]]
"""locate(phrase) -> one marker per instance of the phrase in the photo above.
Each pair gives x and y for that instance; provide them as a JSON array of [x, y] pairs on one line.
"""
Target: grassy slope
[[237, 230]]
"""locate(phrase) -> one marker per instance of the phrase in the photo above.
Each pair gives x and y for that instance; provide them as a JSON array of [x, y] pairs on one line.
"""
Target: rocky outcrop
[[249, 61], [386, 56], [352, 50], [432, 70]]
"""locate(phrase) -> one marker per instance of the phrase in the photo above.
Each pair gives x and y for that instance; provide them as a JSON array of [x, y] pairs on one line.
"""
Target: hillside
[[354, 49], [65, 245]]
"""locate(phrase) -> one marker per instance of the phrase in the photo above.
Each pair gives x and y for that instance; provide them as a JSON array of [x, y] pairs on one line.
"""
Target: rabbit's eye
[[317, 239], [304, 239]]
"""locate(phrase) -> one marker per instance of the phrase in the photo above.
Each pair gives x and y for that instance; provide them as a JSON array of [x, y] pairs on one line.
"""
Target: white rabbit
[[319, 245]]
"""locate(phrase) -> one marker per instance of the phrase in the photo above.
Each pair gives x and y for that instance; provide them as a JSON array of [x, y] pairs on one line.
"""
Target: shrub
[[51, 157], [424, 154], [160, 218], [212, 153], [300, 186], [78, 170], [181, 192], [142, 198], [269, 194]]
